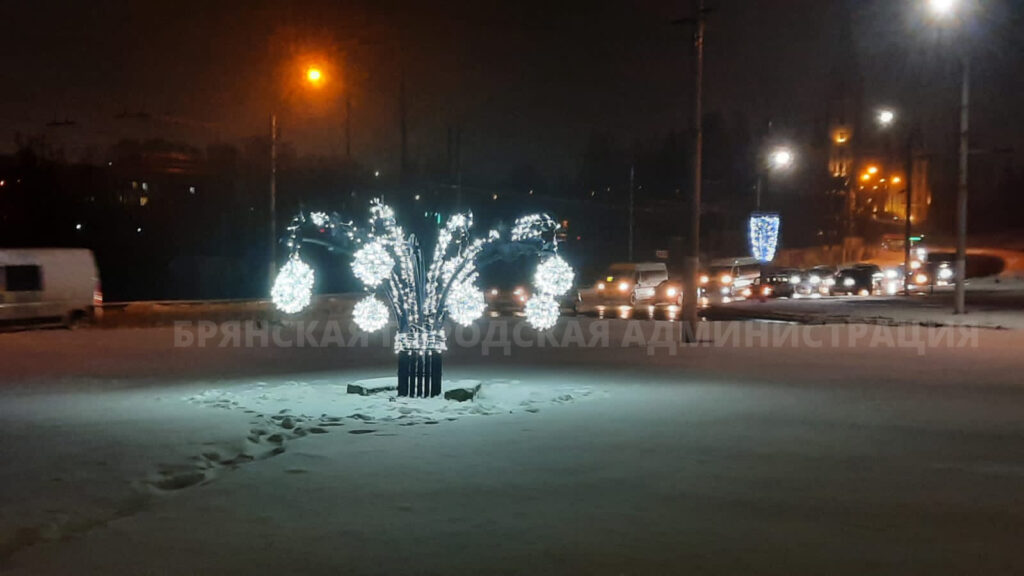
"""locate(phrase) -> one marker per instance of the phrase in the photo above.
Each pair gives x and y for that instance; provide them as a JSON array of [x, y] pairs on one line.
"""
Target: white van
[[630, 283], [48, 286]]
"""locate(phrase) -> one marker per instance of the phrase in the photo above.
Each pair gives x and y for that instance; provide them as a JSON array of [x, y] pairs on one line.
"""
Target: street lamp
[[945, 11], [886, 118], [780, 158], [314, 77], [942, 8]]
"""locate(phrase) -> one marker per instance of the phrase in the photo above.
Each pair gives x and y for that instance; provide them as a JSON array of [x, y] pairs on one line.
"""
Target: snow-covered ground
[[770, 449]]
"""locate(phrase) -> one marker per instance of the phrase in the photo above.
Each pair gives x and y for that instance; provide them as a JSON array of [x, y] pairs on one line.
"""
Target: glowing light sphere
[[370, 314], [764, 236], [554, 276], [293, 287], [465, 303], [542, 312], [372, 264]]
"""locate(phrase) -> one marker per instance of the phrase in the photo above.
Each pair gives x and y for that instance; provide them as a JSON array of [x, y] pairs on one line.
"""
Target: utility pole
[[909, 200], [961, 196], [403, 128], [632, 171], [691, 295], [273, 198], [348, 127], [458, 168]]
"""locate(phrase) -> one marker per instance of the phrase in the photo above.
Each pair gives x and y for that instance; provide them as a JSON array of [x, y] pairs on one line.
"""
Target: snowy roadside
[[133, 455]]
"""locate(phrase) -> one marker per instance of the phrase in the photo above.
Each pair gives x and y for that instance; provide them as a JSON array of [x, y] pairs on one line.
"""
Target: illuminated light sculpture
[[293, 287], [390, 263], [370, 314], [764, 235], [542, 311]]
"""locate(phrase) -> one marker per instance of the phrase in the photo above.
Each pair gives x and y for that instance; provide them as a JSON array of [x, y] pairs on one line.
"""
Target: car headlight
[[849, 282], [494, 291], [891, 274], [921, 278], [600, 286], [767, 291], [671, 292], [725, 291], [830, 282], [623, 286], [704, 279], [945, 273], [915, 264], [815, 279], [726, 279], [794, 279]]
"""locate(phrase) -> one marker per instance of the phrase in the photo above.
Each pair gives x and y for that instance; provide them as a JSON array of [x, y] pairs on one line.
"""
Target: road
[[760, 453], [989, 308]]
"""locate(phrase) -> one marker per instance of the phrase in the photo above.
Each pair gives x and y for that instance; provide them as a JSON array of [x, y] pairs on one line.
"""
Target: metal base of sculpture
[[419, 374]]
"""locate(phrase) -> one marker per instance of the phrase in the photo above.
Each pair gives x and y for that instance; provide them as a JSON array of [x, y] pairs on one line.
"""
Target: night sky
[[527, 81]]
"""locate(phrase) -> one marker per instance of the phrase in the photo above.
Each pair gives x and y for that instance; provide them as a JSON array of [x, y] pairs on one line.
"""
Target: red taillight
[[97, 294]]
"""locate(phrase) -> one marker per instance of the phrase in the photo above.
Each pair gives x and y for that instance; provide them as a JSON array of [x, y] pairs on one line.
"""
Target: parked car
[[862, 280], [48, 286]]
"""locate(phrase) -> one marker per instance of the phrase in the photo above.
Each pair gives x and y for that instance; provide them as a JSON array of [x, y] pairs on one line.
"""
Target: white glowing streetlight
[[946, 11], [886, 117], [942, 8], [781, 158]]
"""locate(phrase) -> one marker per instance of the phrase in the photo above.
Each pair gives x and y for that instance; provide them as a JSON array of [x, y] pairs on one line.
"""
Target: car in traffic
[[506, 297], [859, 280], [775, 284], [729, 278], [814, 282], [630, 283]]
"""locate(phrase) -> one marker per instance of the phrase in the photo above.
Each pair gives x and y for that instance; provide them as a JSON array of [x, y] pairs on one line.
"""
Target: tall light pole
[[314, 77], [691, 295], [946, 10], [961, 193], [273, 198], [886, 118], [632, 171], [780, 158]]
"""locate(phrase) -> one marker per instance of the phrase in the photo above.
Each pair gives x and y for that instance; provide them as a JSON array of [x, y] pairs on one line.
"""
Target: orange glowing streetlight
[[314, 75]]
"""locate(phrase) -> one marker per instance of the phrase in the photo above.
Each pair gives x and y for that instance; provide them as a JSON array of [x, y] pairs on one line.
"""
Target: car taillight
[[97, 294]]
